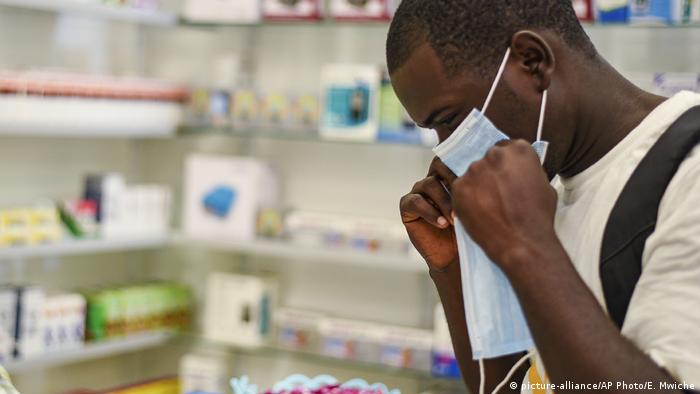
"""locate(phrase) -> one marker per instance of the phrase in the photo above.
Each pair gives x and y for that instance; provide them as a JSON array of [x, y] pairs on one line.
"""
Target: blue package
[[653, 11], [445, 366], [612, 11], [347, 106], [219, 201]]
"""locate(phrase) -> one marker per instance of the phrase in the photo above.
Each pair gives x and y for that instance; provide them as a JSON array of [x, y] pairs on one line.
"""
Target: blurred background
[[206, 189]]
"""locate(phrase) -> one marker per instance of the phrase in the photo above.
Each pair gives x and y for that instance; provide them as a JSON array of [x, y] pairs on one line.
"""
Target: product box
[[275, 111], [304, 112], [584, 10], [239, 309], [64, 322], [204, 373], [293, 9], [360, 9], [612, 11], [219, 108], [668, 84], [298, 330], [691, 11], [406, 348], [656, 11], [8, 315], [245, 109], [29, 330], [350, 340], [350, 102], [223, 195], [222, 11]]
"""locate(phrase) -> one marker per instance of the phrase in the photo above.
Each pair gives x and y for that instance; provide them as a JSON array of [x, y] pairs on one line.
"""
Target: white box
[[231, 11], [30, 316], [204, 373], [223, 195], [350, 102], [350, 339], [64, 322], [239, 309]]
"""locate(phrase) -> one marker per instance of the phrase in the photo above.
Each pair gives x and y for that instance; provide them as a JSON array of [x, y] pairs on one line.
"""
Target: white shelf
[[91, 352], [79, 247], [94, 8], [293, 252]]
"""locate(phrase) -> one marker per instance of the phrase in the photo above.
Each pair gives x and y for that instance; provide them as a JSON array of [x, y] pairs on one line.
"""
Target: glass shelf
[[315, 358], [283, 135]]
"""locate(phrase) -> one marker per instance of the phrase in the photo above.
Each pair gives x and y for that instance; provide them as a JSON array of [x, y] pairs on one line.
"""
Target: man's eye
[[448, 121]]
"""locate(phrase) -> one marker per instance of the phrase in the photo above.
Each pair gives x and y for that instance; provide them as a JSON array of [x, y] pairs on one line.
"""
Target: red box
[[584, 10], [360, 10]]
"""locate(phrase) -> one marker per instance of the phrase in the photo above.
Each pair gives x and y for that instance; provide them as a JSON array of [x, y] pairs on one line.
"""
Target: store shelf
[[97, 9], [277, 353], [79, 247], [91, 352], [287, 135], [293, 252]]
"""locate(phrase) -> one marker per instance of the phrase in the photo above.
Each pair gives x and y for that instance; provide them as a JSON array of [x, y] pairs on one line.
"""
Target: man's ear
[[534, 56]]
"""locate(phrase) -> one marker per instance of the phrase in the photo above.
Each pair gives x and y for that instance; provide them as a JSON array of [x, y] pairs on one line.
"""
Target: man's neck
[[605, 117]]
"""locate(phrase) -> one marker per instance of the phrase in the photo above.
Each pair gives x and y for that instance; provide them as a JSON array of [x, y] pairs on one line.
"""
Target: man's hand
[[506, 203], [427, 214]]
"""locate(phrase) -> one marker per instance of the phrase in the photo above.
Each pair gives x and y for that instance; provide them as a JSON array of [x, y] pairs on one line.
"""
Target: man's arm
[[508, 194], [449, 285]]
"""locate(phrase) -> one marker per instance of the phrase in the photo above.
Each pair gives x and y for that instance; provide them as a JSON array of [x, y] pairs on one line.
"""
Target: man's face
[[441, 102]]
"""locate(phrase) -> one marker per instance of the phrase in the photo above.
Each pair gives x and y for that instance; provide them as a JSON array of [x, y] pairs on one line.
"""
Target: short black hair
[[475, 33]]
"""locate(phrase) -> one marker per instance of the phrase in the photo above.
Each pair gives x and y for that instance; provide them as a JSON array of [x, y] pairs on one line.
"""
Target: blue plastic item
[[219, 201]]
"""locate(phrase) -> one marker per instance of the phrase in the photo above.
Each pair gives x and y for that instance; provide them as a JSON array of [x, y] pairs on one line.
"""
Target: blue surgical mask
[[495, 320]]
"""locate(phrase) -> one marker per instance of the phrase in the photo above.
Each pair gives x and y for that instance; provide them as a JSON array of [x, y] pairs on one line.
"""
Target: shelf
[[294, 252], [361, 366], [287, 135], [119, 13], [91, 352], [80, 247]]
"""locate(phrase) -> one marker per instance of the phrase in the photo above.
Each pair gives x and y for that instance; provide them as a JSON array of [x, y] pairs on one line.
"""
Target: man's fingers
[[415, 207], [435, 193], [440, 170]]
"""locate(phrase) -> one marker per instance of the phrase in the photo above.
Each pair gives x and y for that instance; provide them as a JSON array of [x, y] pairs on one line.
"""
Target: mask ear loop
[[512, 372], [540, 124], [499, 74]]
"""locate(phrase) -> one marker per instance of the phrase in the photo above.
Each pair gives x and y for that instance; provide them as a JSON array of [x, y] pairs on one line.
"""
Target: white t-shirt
[[663, 319]]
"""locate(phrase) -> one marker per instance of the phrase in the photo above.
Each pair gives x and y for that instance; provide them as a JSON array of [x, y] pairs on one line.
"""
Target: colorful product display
[[339, 231], [118, 311], [656, 11], [293, 9], [30, 226]]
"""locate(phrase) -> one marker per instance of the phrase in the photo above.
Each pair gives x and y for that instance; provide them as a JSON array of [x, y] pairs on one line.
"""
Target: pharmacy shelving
[[81, 247], [292, 252], [98, 9], [362, 367], [91, 351], [282, 135]]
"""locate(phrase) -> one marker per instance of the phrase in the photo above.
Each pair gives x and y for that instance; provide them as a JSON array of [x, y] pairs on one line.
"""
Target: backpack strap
[[633, 218]]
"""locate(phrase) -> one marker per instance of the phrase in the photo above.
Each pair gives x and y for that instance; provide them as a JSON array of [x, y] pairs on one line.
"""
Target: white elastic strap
[[482, 377], [543, 107], [512, 371], [499, 74]]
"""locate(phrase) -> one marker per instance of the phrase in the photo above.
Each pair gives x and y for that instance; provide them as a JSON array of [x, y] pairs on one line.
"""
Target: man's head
[[443, 56]]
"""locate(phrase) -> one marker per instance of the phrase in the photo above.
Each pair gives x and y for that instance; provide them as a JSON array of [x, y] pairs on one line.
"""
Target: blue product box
[[613, 11], [655, 11]]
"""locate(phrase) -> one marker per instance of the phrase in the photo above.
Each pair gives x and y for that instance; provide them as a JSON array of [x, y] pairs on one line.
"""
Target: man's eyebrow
[[431, 118]]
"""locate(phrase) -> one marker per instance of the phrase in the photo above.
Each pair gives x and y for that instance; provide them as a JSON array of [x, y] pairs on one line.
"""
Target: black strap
[[633, 219]]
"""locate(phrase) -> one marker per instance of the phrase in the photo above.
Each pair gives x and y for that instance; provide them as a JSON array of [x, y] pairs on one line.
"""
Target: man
[[443, 56]]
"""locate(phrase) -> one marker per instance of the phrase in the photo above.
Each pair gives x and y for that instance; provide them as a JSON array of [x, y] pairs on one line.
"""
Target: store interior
[[183, 202]]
